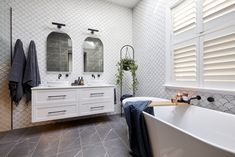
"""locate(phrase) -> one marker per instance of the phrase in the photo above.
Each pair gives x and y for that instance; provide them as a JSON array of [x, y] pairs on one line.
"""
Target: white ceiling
[[125, 3]]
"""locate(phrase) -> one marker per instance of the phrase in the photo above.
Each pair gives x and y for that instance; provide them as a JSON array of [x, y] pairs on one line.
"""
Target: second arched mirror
[[93, 55]]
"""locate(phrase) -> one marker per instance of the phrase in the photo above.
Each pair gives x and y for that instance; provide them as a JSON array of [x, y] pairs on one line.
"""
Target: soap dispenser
[[82, 81], [79, 81]]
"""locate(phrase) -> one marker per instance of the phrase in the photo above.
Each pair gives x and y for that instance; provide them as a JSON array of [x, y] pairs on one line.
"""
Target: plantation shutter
[[184, 16], [218, 13], [219, 58], [184, 60]]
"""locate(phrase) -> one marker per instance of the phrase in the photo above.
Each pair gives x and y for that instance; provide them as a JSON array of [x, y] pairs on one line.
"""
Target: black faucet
[[198, 97], [59, 76]]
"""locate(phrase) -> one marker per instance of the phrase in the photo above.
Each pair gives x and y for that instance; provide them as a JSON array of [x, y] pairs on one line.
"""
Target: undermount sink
[[57, 83]]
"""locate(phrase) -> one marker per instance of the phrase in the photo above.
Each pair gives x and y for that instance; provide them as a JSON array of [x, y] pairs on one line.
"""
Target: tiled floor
[[96, 137]]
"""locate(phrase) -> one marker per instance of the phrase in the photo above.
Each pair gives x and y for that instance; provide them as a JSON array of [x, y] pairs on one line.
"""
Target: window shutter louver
[[184, 16], [219, 59], [213, 9], [185, 63], [203, 44]]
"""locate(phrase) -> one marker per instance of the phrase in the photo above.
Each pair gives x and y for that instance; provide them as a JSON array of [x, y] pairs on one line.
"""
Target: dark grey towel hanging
[[31, 73], [17, 72]]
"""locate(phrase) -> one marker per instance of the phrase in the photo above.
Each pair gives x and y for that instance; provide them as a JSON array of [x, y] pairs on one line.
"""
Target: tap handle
[[198, 97]]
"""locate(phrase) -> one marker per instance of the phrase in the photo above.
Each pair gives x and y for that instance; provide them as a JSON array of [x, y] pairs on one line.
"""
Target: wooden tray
[[166, 103]]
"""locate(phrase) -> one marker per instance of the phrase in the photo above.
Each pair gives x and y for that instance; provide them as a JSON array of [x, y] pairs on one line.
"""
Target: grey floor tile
[[47, 146], [70, 132], [121, 129], [52, 130], [93, 137], [68, 143], [31, 133], [13, 136], [24, 148], [105, 131], [116, 148], [89, 135], [111, 135], [2, 134], [94, 151], [6, 148], [71, 153]]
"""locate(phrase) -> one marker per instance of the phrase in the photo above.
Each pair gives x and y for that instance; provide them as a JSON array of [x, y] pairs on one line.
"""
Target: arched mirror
[[93, 55], [59, 52]]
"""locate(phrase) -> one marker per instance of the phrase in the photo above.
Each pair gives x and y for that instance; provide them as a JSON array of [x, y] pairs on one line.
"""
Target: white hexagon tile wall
[[32, 21]]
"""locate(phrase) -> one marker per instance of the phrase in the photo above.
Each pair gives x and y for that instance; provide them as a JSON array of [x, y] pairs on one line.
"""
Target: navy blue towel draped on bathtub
[[138, 134]]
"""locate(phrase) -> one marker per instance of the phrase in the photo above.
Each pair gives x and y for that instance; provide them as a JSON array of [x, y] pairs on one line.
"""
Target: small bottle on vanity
[[79, 81], [82, 81]]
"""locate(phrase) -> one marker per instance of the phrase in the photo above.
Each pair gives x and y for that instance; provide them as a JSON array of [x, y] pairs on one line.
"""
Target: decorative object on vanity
[[59, 52], [51, 103], [31, 73], [78, 82], [93, 54], [17, 73]]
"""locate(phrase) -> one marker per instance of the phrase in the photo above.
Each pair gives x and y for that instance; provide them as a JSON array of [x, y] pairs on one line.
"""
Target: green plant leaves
[[127, 65]]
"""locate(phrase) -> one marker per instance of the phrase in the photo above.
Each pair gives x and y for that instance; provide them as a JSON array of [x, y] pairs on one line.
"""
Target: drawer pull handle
[[96, 94], [97, 108], [54, 112], [57, 96]]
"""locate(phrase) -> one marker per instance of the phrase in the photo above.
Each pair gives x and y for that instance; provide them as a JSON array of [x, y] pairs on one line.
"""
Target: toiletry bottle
[[82, 81], [79, 81]]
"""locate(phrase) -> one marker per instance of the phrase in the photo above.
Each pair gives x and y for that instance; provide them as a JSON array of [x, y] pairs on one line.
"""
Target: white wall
[[32, 21], [150, 41]]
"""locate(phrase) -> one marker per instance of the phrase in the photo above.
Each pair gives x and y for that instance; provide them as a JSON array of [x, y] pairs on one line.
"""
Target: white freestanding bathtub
[[191, 131]]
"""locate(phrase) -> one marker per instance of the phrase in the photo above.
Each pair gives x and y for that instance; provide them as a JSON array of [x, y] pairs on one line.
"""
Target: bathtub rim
[[190, 134]]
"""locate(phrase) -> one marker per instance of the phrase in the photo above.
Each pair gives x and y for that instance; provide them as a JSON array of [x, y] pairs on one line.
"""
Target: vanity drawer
[[95, 108], [55, 96], [101, 93], [52, 113]]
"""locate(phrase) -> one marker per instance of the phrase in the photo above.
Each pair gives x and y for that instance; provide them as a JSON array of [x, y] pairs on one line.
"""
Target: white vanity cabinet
[[50, 103], [96, 100]]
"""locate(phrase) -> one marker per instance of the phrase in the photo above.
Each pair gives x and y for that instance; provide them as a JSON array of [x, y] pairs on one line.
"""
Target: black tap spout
[[198, 97], [59, 76]]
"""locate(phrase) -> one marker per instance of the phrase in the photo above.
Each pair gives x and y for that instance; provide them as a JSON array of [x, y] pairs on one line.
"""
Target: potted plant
[[127, 64]]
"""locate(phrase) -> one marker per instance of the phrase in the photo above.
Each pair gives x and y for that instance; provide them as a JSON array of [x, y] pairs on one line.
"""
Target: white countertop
[[42, 87]]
